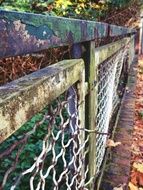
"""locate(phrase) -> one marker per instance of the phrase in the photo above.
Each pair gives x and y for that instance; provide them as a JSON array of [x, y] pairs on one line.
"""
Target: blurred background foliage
[[83, 9]]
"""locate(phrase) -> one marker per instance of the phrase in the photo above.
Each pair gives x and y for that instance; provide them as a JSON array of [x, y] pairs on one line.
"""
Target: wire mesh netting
[[109, 80], [48, 151]]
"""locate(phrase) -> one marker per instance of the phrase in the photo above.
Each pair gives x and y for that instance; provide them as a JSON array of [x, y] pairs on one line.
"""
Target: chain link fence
[[110, 87]]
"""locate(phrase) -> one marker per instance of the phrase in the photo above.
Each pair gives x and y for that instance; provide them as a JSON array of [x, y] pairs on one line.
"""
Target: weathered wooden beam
[[106, 51], [91, 109], [131, 50], [22, 98], [91, 70], [22, 33]]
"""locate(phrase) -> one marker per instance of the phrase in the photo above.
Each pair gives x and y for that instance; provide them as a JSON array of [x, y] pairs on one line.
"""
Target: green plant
[[83, 9]]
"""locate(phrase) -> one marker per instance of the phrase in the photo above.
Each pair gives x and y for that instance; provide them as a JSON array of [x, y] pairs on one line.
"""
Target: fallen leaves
[[111, 143], [136, 177]]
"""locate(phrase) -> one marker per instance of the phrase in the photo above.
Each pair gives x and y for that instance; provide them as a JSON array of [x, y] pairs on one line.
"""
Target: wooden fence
[[85, 90]]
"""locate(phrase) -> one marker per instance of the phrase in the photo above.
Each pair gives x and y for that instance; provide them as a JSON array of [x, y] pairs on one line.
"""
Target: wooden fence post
[[131, 50], [91, 108]]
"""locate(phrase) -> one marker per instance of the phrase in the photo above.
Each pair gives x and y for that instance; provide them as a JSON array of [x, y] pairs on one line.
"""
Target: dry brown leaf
[[135, 149], [132, 186], [140, 179], [138, 166], [134, 176], [111, 143], [137, 178]]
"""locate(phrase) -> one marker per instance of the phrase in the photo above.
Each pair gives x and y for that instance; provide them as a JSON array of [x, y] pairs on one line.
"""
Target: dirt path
[[136, 177]]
